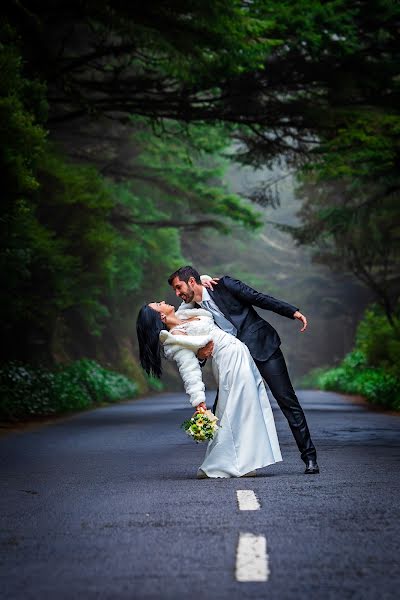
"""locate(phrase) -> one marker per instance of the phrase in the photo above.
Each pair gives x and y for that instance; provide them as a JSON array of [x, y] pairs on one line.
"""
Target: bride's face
[[162, 307]]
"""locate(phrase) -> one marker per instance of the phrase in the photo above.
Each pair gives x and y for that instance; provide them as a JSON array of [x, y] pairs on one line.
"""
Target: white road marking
[[247, 500], [252, 558]]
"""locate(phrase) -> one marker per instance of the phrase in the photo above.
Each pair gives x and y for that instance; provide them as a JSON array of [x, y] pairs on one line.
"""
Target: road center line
[[252, 558], [247, 500]]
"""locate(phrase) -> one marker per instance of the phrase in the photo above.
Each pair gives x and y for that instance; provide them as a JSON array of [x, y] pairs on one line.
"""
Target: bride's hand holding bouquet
[[202, 425]]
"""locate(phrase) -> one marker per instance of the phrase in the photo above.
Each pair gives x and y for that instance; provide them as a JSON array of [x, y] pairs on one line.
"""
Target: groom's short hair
[[184, 274]]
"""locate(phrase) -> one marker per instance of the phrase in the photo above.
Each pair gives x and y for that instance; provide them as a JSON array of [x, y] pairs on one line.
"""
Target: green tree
[[303, 82], [337, 61], [76, 243], [350, 211], [159, 59]]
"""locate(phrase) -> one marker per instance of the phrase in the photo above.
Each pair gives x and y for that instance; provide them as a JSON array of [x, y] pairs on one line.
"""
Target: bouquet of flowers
[[201, 426]]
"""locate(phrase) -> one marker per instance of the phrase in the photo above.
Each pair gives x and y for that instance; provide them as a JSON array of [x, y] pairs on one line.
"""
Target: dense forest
[[256, 138]]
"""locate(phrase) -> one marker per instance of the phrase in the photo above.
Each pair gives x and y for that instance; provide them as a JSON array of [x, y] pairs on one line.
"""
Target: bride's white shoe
[[201, 474], [250, 474]]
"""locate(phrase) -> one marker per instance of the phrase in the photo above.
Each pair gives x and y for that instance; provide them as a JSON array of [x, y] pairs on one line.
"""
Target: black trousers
[[275, 374]]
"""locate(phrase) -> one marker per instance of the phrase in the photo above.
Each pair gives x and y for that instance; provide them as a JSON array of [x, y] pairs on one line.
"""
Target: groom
[[231, 303]]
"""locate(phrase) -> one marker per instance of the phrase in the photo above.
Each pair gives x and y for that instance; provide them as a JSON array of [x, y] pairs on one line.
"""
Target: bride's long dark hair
[[148, 327]]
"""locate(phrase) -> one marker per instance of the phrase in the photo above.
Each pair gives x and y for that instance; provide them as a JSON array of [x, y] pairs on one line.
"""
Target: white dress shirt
[[208, 303]]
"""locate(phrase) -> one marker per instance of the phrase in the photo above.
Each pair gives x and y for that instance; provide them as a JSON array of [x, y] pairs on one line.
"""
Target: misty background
[[272, 263]]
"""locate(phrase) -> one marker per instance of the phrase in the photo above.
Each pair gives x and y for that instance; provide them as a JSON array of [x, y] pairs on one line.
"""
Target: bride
[[246, 438]]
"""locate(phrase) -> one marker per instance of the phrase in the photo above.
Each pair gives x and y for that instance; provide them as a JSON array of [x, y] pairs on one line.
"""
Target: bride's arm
[[190, 372], [182, 349], [202, 406]]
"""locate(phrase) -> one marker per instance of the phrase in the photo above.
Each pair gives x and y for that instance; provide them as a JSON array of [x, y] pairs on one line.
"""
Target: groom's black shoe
[[312, 467]]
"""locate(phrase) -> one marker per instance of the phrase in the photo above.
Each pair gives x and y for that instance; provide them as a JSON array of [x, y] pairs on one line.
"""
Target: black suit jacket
[[235, 299]]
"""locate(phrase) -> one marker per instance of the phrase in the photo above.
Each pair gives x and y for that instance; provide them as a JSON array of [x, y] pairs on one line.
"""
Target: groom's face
[[184, 290]]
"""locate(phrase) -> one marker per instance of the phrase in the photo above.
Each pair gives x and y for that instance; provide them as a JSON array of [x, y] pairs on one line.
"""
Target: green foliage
[[55, 251], [379, 341], [312, 27], [376, 385], [350, 213], [338, 89], [154, 383], [372, 370], [188, 165], [223, 38], [311, 379], [26, 392], [22, 139], [365, 148], [78, 246], [175, 52]]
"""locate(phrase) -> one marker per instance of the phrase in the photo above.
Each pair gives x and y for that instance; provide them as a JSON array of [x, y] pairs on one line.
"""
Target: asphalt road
[[105, 505]]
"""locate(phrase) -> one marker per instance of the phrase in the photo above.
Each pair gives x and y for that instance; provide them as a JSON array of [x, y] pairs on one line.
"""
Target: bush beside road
[[372, 370], [27, 392]]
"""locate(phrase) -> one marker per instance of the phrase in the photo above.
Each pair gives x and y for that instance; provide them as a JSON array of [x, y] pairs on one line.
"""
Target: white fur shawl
[[183, 349], [186, 311]]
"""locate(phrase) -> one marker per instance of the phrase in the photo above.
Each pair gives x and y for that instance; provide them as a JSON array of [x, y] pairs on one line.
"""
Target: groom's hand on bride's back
[[206, 351]]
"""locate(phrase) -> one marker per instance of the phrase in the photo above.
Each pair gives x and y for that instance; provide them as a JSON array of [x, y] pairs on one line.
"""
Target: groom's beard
[[187, 296]]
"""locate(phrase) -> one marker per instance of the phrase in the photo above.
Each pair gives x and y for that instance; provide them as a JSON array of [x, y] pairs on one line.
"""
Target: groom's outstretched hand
[[298, 315]]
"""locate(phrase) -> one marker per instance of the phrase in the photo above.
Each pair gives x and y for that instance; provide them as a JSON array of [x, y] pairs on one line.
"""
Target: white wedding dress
[[246, 438]]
